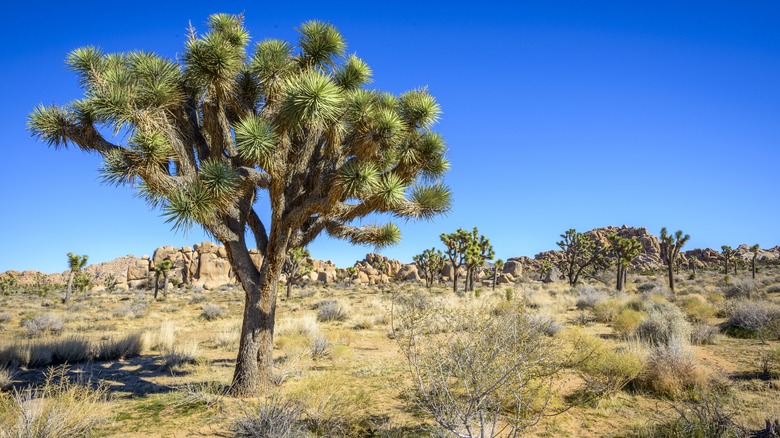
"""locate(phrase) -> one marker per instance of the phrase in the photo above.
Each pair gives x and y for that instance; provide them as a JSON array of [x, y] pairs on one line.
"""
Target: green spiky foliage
[[625, 250], [728, 253], [581, 256], [226, 126], [544, 269], [162, 269], [295, 267], [430, 264], [478, 251], [455, 245], [498, 266], [754, 249], [75, 264], [670, 251]]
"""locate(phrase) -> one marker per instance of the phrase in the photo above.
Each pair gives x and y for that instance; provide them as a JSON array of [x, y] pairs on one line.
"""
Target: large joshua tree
[[210, 131], [670, 251], [580, 256]]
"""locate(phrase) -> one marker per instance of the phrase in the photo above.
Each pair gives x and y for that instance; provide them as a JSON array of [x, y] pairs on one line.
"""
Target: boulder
[[505, 279], [408, 273], [514, 268]]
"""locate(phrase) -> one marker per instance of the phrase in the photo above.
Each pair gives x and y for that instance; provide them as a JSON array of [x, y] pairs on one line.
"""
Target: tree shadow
[[126, 378]]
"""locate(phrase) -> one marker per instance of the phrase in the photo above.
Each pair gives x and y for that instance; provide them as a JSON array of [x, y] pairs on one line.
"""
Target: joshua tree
[[295, 266], [754, 250], [163, 268], [581, 255], [625, 251], [210, 131], [430, 263], [497, 267], [456, 245], [478, 250], [670, 251], [75, 263], [728, 252], [545, 267], [692, 261]]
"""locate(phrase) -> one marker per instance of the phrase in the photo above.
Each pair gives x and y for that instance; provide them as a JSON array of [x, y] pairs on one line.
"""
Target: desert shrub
[[124, 347], [70, 350], [275, 418], [775, 288], [741, 288], [703, 334], [606, 310], [198, 298], [135, 310], [320, 347], [671, 370], [59, 408], [46, 323], [606, 370], [546, 324], [753, 319], [364, 323], [212, 312], [334, 408], [164, 338], [664, 324], [331, 311], [588, 296], [180, 354], [5, 317], [702, 416], [697, 308], [491, 369], [626, 322], [6, 377]]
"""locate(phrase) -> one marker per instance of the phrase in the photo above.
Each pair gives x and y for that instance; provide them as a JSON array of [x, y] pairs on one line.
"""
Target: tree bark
[[619, 283], [754, 267], [156, 284], [165, 285], [254, 364], [70, 286], [671, 276]]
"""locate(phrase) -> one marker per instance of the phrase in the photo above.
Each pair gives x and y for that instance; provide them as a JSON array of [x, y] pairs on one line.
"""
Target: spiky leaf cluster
[[207, 131]]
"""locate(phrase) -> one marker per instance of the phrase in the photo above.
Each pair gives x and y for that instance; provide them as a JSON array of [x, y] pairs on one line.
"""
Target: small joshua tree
[[581, 256], [430, 263], [625, 251], [545, 267], [163, 268], [456, 244], [754, 250], [295, 266], [76, 263], [692, 262], [728, 252], [670, 251], [478, 250], [497, 267]]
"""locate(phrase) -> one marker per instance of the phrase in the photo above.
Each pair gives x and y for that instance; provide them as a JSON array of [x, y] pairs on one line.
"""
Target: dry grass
[[355, 385]]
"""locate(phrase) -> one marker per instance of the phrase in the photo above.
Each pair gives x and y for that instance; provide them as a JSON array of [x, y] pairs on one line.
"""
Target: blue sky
[[557, 115]]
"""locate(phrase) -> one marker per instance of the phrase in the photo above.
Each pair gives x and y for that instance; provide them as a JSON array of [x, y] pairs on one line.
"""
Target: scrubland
[[401, 360]]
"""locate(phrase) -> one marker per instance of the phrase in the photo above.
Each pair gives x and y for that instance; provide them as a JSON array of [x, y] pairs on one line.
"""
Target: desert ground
[[641, 362]]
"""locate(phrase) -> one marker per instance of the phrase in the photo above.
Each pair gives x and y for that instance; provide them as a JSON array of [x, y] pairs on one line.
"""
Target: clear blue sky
[[557, 115]]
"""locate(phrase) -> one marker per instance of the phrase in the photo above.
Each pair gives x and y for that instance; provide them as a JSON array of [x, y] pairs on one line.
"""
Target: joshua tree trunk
[[619, 282], [671, 277], [254, 364], [753, 263], [165, 285], [726, 267], [455, 279], [156, 284], [495, 277], [70, 287], [694, 268], [289, 287]]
